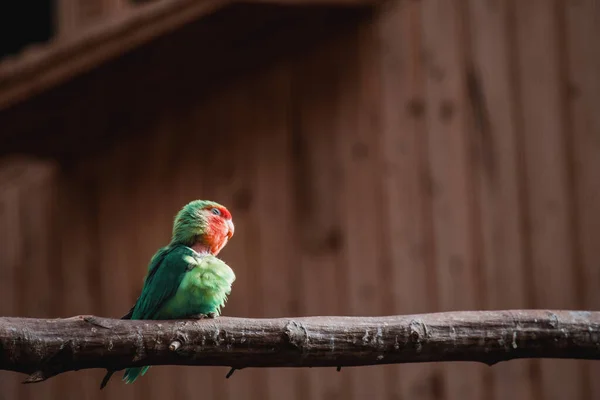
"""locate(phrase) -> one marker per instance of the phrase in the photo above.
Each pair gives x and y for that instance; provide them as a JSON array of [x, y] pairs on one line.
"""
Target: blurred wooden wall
[[439, 155]]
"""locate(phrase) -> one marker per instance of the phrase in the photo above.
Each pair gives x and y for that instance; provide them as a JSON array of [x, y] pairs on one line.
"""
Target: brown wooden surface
[[493, 102], [317, 172], [582, 21], [436, 155], [550, 201], [409, 272], [455, 206]]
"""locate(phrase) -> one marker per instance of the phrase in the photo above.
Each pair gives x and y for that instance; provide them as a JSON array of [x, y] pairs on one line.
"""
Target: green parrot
[[185, 279]]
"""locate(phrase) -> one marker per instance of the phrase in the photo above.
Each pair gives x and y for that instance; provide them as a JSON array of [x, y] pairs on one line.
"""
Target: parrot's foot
[[203, 316]]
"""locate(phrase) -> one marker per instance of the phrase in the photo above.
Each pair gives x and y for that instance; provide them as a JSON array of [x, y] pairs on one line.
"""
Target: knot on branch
[[178, 341], [295, 333], [175, 345], [417, 331], [552, 320]]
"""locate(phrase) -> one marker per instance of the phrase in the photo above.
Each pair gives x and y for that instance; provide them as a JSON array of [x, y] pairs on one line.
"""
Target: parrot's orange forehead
[[224, 211]]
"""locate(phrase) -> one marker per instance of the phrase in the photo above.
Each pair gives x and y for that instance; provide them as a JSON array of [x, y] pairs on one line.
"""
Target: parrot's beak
[[231, 228]]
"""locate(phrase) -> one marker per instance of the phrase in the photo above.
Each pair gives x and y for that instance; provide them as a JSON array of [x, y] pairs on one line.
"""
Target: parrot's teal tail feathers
[[131, 374]]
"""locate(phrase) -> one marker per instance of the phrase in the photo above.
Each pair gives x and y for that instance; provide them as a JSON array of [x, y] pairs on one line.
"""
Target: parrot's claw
[[203, 316]]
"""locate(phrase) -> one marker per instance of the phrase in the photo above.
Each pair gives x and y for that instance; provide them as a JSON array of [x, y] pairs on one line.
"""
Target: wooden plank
[[357, 120], [27, 190], [36, 292], [115, 260], [407, 203], [546, 166], [492, 100], [583, 97], [10, 243], [77, 264], [317, 169], [273, 204], [452, 186]]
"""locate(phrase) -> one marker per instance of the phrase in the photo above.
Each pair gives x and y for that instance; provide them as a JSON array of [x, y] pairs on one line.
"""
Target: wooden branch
[[46, 347]]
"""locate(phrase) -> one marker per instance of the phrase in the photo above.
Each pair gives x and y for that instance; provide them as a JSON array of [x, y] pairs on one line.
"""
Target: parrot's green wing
[[154, 263], [165, 273], [166, 270]]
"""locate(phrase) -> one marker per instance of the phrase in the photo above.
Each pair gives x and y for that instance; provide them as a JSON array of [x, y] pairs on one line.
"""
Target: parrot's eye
[[216, 211]]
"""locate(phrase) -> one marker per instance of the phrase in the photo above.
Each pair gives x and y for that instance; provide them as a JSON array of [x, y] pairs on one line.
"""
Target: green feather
[[181, 283], [131, 374]]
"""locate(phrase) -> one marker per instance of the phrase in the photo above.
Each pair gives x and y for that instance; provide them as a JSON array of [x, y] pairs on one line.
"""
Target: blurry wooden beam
[[44, 348], [42, 67], [72, 15]]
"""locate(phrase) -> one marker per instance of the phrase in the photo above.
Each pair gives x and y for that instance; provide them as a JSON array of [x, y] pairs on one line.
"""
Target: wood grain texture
[[317, 172], [76, 276], [116, 290], [274, 199], [10, 236], [454, 201], [546, 170], [493, 101], [409, 266], [358, 121], [27, 224], [582, 21]]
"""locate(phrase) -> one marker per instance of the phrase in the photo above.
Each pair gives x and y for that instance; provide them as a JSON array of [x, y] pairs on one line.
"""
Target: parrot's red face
[[220, 228]]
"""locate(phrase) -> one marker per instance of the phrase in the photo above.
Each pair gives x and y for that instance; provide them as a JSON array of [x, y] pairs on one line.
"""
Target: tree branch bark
[[44, 348]]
